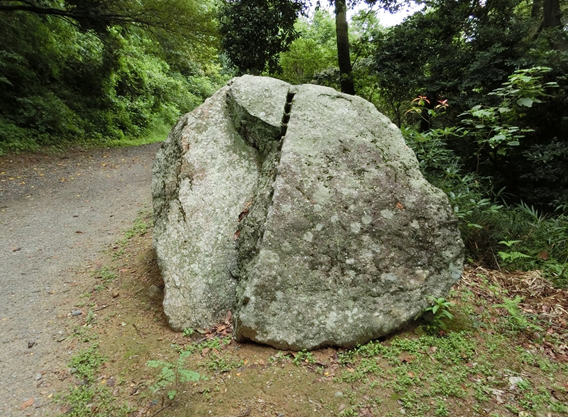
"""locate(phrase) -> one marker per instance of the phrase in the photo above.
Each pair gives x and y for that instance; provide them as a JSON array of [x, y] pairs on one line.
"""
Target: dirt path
[[56, 213]]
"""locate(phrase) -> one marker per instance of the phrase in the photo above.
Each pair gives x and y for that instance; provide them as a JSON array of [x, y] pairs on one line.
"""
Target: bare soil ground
[[484, 363]]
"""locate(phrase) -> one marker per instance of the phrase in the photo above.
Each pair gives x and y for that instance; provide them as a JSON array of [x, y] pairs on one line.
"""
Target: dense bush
[[64, 82], [496, 234]]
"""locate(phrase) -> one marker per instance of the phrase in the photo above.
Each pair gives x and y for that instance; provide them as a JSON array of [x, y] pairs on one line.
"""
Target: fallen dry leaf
[[405, 358], [543, 255], [27, 403], [243, 214]]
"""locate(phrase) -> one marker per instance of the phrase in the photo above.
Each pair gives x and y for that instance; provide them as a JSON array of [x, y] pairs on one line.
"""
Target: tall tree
[[552, 21], [343, 54], [342, 29], [552, 14], [254, 32]]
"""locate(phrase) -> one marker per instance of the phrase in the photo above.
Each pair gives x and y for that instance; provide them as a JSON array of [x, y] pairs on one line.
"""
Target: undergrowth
[[88, 397], [498, 228], [496, 234]]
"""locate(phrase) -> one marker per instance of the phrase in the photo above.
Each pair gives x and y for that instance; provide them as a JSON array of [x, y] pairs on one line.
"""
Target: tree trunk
[[551, 11], [343, 57], [552, 19]]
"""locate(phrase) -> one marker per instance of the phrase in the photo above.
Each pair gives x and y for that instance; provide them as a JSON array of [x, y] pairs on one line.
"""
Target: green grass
[[87, 398], [28, 144], [140, 227]]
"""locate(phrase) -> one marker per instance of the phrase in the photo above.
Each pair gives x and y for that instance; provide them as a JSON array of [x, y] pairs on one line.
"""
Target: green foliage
[[173, 374], [494, 127], [348, 412], [81, 397], [85, 364], [106, 274], [219, 364], [303, 357], [469, 194], [254, 32], [313, 52], [141, 225], [516, 236], [207, 345], [537, 242], [511, 256], [189, 22], [97, 72], [517, 318], [437, 312], [441, 409], [436, 364], [470, 55]]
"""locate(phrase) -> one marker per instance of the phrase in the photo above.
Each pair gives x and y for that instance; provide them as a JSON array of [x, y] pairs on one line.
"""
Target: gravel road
[[57, 212]]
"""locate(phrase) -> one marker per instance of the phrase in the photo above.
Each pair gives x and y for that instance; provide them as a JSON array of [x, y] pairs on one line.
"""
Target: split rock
[[303, 211]]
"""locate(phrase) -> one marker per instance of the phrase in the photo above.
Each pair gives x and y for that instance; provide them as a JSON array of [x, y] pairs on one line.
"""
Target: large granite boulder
[[301, 210]]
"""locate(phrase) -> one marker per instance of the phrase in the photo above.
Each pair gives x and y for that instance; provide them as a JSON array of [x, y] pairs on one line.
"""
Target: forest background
[[478, 87]]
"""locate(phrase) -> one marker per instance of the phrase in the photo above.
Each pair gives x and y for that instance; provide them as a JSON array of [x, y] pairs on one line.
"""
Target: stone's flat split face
[[256, 105], [204, 176], [325, 236], [355, 240]]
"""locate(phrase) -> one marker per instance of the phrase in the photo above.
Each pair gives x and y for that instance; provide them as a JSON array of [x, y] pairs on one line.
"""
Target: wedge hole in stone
[[287, 112]]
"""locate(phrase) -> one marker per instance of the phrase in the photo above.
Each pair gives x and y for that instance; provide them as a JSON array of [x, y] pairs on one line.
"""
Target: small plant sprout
[[173, 374], [517, 318], [303, 357], [188, 332], [439, 310]]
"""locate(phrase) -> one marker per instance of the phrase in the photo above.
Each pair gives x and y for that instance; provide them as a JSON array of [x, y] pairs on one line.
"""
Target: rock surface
[[302, 210]]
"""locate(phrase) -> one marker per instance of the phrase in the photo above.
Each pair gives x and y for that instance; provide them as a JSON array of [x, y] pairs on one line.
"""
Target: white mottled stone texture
[[302, 210]]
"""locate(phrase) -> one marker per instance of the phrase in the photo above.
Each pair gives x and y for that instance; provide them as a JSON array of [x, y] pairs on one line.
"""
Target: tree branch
[[29, 7]]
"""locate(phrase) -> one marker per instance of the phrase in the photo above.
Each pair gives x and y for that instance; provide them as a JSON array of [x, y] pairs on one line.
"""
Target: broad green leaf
[[498, 138], [187, 375], [525, 101]]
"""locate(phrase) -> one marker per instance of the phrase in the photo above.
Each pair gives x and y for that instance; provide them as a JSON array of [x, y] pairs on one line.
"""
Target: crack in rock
[[315, 226]]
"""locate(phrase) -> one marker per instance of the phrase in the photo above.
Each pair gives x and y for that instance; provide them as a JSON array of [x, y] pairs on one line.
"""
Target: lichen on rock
[[302, 210]]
